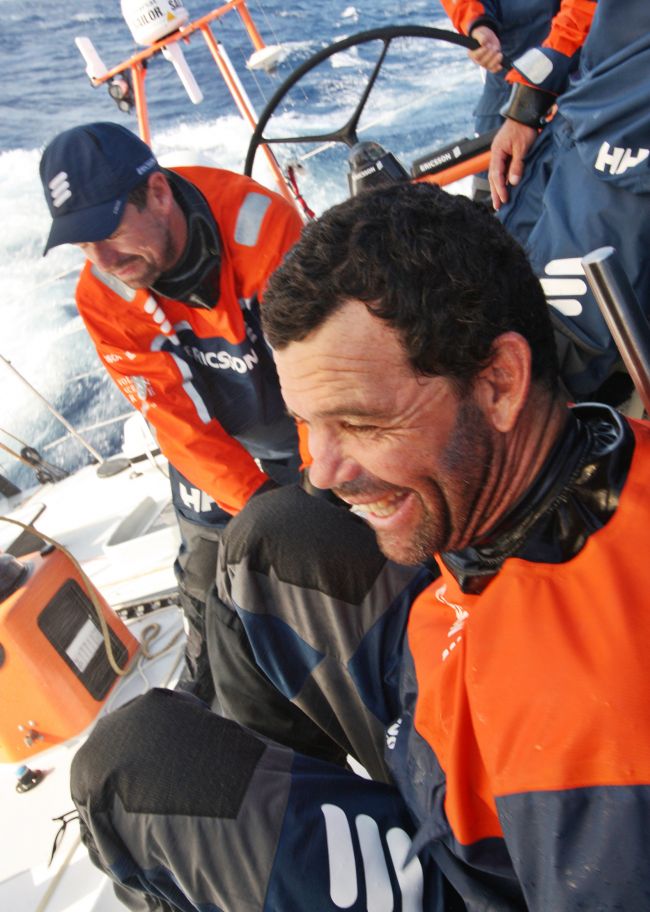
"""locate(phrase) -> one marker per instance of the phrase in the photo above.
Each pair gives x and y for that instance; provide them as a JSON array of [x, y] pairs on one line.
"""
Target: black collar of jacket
[[194, 280], [574, 495]]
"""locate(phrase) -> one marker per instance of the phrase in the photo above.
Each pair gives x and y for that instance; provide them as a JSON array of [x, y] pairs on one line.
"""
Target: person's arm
[[508, 151], [546, 68], [582, 848], [488, 53], [567, 745], [538, 77], [172, 400], [193, 441], [478, 21], [468, 14]]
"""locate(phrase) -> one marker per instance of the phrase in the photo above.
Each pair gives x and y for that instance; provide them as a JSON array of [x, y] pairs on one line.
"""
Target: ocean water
[[423, 100]]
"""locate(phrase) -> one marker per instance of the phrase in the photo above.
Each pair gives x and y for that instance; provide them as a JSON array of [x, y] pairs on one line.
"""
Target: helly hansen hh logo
[[617, 159]]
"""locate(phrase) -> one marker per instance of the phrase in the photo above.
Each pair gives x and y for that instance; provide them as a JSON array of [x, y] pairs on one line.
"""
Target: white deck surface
[[124, 533], [121, 528], [27, 832]]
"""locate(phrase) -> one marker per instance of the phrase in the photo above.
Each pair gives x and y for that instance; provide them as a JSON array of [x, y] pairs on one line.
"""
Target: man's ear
[[159, 194], [502, 388]]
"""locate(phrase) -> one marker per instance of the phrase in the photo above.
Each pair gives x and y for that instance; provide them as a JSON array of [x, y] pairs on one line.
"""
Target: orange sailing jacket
[[205, 379], [525, 751], [569, 24]]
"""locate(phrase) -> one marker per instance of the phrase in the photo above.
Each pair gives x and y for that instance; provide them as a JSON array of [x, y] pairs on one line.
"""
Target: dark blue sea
[[423, 100]]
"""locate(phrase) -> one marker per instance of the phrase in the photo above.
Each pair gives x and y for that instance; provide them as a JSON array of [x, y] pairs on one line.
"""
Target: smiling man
[[428, 466], [413, 341], [430, 393]]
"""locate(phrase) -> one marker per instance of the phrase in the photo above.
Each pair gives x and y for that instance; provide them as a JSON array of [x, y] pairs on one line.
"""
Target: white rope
[[90, 590]]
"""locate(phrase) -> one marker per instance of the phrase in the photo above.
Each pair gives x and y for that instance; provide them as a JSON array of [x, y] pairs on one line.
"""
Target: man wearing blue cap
[[177, 263]]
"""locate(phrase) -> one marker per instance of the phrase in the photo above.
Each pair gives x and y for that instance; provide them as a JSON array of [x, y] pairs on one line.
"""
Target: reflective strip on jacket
[[547, 33]]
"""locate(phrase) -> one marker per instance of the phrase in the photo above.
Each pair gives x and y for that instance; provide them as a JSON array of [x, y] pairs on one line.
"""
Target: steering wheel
[[347, 132]]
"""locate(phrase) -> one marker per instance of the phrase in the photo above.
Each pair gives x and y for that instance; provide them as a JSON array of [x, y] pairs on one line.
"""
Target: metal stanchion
[[622, 312]]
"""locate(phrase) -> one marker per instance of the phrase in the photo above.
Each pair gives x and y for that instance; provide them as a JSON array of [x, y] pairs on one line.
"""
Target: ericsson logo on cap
[[60, 189], [146, 166]]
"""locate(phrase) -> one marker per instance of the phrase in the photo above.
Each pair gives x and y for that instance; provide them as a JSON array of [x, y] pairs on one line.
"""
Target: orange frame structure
[[137, 67], [453, 173]]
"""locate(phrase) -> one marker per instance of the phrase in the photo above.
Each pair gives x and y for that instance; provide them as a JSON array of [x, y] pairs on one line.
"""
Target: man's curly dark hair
[[440, 269]]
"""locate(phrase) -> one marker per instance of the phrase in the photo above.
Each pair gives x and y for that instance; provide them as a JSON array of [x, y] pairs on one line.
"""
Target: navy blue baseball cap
[[87, 174]]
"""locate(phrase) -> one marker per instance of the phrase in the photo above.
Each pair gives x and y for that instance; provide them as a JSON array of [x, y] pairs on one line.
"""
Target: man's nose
[[330, 466], [101, 254]]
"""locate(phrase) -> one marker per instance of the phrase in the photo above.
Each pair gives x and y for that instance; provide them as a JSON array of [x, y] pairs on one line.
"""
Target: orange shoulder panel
[[462, 13], [540, 683], [280, 227], [569, 29], [570, 26]]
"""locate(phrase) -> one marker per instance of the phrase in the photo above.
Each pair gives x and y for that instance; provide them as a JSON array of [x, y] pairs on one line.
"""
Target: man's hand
[[488, 55], [509, 148]]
